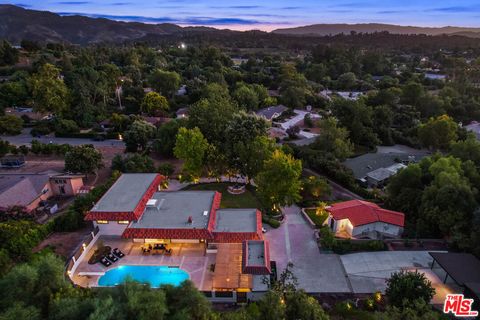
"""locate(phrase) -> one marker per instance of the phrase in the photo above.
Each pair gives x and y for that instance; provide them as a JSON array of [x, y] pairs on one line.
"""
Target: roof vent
[[190, 220], [152, 203], [205, 213]]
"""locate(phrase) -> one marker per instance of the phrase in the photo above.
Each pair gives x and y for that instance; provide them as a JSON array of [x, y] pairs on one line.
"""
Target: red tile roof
[[260, 269], [363, 212]]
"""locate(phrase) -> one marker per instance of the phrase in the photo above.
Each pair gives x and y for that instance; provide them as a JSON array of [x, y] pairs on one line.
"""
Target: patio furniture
[[118, 253], [112, 257], [168, 252], [145, 251], [105, 262]]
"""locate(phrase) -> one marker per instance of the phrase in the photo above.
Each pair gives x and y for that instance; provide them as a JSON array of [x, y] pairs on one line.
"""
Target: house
[[375, 169], [272, 112], [474, 127], [361, 219], [181, 91], [28, 190], [135, 208], [182, 113]]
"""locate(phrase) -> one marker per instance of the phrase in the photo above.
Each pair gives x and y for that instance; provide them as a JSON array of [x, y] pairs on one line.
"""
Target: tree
[[294, 97], [166, 137], [408, 286], [85, 159], [272, 306], [138, 135], [333, 139], [135, 163], [316, 187], [141, 302], [278, 184], [154, 103], [468, 149], [212, 114], [438, 133], [191, 147], [299, 305], [8, 54], [11, 125], [412, 93], [50, 94], [164, 82], [64, 126], [246, 98]]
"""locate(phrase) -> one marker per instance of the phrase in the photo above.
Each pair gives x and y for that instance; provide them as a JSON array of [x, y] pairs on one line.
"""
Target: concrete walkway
[[294, 241]]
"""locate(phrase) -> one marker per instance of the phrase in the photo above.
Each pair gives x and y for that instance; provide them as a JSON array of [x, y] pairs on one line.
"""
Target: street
[[25, 138]]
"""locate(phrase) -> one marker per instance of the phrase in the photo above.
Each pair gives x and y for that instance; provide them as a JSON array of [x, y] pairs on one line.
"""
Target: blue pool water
[[154, 275]]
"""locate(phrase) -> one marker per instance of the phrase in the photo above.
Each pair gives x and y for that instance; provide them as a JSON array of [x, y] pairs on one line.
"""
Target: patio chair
[[168, 252], [105, 262], [118, 253], [112, 257]]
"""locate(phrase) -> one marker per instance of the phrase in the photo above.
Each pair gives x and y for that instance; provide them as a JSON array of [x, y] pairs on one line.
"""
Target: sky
[[270, 14]]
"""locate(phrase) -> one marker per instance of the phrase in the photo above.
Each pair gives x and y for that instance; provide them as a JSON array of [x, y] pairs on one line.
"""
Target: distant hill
[[17, 23], [332, 29]]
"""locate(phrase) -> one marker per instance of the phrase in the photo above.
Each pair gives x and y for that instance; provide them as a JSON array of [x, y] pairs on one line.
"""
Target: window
[[102, 221], [123, 222]]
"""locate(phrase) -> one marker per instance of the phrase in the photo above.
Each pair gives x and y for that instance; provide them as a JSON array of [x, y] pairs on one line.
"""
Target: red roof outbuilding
[[360, 212]]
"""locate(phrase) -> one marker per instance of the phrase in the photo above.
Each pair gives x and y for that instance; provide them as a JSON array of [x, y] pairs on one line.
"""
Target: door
[[241, 297]]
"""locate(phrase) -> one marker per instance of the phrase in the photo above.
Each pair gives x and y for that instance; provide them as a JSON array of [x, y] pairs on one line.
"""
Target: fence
[[80, 252]]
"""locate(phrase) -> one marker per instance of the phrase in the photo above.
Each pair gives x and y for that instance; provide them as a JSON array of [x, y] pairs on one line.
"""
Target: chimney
[[190, 220]]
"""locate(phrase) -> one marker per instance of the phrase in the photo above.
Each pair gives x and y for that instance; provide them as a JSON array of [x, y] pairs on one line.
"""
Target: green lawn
[[318, 220], [244, 200]]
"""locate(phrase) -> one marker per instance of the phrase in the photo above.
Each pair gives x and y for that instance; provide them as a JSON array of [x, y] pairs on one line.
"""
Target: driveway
[[294, 241], [368, 271], [25, 138]]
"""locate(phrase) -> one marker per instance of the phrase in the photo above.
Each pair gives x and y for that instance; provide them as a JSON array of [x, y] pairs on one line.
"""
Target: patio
[[189, 257]]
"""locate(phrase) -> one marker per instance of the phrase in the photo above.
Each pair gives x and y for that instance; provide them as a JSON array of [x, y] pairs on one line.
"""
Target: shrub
[[64, 126], [166, 169]]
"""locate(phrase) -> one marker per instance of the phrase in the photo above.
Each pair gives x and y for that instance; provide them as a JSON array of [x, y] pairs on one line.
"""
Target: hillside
[[332, 29], [17, 23]]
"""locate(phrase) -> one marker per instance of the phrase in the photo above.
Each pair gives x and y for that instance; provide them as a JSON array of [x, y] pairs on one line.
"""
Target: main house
[[136, 208], [362, 219]]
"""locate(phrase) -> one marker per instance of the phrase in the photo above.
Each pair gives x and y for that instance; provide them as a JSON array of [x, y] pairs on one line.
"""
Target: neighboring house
[[474, 127], [29, 189], [361, 219], [182, 90], [272, 112], [435, 76], [375, 169], [182, 113]]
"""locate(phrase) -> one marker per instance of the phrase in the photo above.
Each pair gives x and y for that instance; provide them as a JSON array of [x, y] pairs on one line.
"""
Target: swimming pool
[[153, 275]]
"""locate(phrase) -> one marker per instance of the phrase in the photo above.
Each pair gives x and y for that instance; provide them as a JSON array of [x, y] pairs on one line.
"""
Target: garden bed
[[318, 220]]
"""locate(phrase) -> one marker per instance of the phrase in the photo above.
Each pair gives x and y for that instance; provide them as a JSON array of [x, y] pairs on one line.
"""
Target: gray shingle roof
[[21, 189]]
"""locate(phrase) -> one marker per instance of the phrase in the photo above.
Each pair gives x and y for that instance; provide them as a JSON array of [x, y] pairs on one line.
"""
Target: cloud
[[453, 9], [73, 2], [212, 21], [121, 3], [291, 8]]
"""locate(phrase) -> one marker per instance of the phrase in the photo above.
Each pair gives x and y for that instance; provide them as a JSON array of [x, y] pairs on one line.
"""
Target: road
[[338, 191], [25, 138]]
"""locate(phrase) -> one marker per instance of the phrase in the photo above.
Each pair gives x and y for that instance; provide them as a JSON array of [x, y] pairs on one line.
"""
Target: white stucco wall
[[112, 228], [382, 227]]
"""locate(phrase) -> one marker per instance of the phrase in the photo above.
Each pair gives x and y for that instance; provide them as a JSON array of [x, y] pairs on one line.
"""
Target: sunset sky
[[271, 14]]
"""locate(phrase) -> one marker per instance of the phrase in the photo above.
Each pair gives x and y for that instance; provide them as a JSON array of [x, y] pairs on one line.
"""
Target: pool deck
[[188, 257]]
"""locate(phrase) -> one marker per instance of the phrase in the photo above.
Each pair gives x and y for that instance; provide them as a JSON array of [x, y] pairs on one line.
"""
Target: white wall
[[112, 228], [382, 227]]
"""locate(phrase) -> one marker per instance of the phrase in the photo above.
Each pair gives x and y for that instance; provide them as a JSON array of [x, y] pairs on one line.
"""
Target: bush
[[11, 125], [166, 169], [64, 126], [274, 223]]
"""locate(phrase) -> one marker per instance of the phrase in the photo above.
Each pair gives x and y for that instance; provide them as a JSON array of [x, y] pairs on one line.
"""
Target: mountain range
[[17, 23]]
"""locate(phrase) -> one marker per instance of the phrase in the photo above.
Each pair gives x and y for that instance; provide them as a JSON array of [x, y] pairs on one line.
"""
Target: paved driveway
[[368, 271], [294, 241]]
